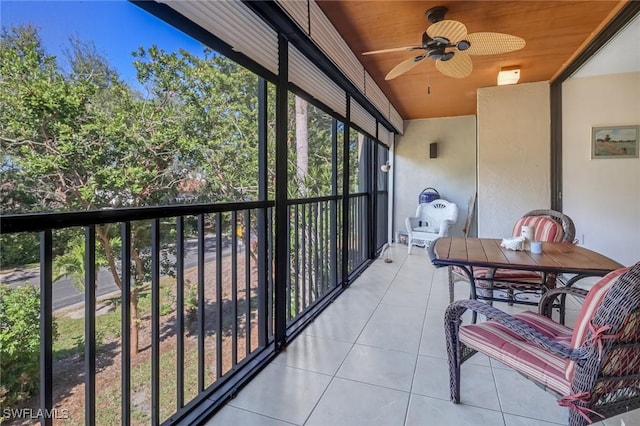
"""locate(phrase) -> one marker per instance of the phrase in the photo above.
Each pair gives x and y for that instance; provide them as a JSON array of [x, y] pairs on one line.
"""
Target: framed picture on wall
[[615, 142]]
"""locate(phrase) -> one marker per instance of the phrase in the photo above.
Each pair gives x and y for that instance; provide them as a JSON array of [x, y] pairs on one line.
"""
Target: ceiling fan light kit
[[448, 44], [509, 75]]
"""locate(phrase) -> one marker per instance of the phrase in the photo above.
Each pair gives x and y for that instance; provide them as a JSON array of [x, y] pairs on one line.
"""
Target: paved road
[[65, 294]]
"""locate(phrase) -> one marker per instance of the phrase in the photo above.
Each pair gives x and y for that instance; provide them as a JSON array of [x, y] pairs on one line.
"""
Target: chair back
[[610, 370], [436, 212], [550, 225]]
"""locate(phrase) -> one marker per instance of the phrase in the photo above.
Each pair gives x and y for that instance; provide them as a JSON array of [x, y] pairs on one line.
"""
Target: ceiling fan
[[448, 44]]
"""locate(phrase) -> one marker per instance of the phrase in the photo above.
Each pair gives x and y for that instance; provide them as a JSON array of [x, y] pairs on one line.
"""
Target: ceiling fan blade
[[394, 49], [403, 67], [459, 66], [451, 30], [493, 43]]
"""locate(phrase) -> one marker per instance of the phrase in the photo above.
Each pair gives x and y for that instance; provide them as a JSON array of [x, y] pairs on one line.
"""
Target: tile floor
[[377, 356]]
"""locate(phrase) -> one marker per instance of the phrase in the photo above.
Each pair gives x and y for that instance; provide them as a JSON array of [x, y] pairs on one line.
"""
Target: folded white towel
[[515, 243]]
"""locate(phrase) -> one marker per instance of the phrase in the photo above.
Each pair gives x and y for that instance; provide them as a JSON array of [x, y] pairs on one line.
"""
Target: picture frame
[[614, 142]]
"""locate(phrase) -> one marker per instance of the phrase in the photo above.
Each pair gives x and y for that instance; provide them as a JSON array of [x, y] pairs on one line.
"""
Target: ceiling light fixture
[[508, 75]]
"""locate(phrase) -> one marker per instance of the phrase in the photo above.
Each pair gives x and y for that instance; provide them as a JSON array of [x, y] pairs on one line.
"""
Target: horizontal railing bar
[[36, 222], [295, 201]]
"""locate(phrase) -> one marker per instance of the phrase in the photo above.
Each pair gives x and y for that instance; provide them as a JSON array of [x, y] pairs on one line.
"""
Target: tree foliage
[[19, 342], [77, 137]]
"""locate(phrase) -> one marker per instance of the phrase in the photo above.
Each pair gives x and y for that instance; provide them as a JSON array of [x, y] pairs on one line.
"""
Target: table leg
[[563, 297], [472, 290]]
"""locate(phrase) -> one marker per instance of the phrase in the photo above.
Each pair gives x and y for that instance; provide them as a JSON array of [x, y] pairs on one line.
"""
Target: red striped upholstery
[[508, 347], [590, 306], [547, 229], [479, 273]]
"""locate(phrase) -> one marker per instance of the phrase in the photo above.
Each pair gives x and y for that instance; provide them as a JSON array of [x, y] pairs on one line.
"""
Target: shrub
[[19, 249], [19, 342]]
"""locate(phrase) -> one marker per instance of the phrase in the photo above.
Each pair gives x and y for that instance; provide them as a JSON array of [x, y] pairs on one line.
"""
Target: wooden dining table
[[556, 258]]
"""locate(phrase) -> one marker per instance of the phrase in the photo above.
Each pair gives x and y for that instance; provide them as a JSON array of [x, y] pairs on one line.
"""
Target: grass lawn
[[69, 345]]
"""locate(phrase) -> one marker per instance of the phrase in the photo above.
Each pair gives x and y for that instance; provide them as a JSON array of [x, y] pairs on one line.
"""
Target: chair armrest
[[411, 222], [548, 299], [456, 309], [444, 228]]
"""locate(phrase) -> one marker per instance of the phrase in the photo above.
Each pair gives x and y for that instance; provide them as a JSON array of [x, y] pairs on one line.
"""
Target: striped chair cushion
[[547, 229], [480, 272], [590, 306], [507, 275], [508, 347]]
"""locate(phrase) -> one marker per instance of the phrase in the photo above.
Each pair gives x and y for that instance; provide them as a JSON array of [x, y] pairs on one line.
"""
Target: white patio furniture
[[432, 220]]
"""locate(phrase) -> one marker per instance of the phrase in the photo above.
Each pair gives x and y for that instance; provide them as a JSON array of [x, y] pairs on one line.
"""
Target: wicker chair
[[594, 368], [550, 225], [432, 220]]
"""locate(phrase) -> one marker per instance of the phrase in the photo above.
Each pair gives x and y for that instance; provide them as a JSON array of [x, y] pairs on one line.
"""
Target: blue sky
[[117, 28], [627, 134]]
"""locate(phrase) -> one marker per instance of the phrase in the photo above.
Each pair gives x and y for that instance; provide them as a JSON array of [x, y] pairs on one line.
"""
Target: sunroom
[[247, 205]]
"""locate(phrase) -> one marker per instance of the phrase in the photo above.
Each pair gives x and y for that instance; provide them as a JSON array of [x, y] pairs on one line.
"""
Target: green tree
[[82, 139], [19, 342], [218, 116], [70, 263]]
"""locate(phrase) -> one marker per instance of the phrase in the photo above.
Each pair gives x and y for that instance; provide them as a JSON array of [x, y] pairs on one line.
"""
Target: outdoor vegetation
[[75, 137]]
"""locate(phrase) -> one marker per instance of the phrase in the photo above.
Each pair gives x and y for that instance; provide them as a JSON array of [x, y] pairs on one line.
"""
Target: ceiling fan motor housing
[[438, 53], [436, 14]]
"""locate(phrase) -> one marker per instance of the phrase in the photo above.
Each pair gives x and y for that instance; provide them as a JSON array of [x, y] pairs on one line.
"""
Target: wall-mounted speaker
[[433, 150]]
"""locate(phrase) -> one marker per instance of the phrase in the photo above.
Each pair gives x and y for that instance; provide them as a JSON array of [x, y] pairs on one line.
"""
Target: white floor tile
[[394, 327], [477, 385], [348, 403], [283, 393], [344, 319], [433, 343], [315, 354], [628, 419], [229, 415], [377, 366], [522, 397], [336, 328], [407, 293], [511, 420], [377, 356], [432, 411]]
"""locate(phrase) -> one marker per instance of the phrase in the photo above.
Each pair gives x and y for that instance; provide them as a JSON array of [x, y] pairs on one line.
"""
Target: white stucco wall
[[513, 155], [602, 196], [452, 173]]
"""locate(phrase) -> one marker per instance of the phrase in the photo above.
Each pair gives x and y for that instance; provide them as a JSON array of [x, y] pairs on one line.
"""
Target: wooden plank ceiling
[[554, 32]]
